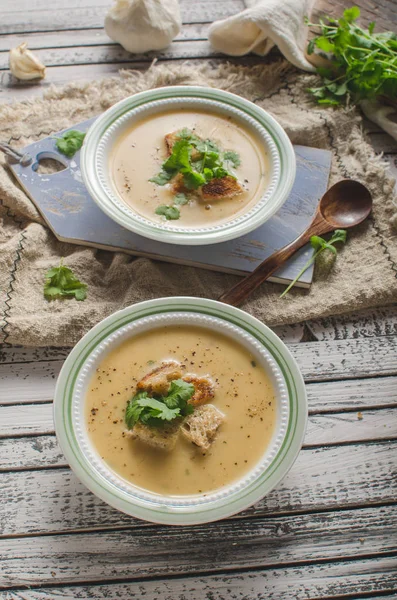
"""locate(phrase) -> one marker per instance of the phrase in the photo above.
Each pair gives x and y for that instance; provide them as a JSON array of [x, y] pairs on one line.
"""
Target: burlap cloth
[[364, 274]]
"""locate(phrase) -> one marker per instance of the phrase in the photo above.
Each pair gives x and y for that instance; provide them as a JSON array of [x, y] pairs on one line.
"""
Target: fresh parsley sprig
[[155, 412], [362, 64], [61, 282], [70, 142], [319, 244]]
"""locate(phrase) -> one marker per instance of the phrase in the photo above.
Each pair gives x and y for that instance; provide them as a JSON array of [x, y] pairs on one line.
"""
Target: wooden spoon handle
[[246, 286]]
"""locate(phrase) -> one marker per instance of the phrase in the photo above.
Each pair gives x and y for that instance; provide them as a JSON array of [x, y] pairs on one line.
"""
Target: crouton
[[178, 185], [173, 137], [221, 189], [158, 380], [201, 427], [162, 438], [204, 389]]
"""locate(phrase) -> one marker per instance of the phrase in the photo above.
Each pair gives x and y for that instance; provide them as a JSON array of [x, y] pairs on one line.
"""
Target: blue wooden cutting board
[[74, 217]]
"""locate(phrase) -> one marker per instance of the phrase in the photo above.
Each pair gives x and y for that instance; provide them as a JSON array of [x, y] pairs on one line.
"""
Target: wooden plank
[[26, 419], [93, 55], [352, 427], [161, 551], [358, 395], [346, 359], [354, 394], [30, 452], [38, 15], [26, 382], [53, 500], [367, 323], [326, 580], [323, 429], [18, 354], [319, 361], [85, 37]]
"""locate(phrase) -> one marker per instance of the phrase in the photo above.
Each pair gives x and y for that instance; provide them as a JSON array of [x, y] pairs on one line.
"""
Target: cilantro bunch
[[155, 412], [362, 64], [199, 161]]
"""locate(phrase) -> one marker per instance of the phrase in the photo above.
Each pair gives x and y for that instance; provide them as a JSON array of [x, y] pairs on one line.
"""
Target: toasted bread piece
[[163, 438], [201, 427], [158, 380], [221, 189], [204, 388], [178, 185], [173, 137]]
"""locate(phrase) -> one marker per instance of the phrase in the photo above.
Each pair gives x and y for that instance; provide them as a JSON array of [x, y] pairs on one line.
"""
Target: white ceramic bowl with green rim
[[110, 125], [265, 346]]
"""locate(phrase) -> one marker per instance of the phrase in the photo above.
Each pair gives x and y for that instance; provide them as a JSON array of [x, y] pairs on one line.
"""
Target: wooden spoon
[[344, 205]]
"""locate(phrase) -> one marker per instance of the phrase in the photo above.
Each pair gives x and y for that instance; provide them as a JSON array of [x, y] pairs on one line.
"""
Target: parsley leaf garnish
[[60, 282], [171, 213], [232, 157], [161, 178], [361, 64], [155, 412], [70, 142], [180, 199], [319, 244]]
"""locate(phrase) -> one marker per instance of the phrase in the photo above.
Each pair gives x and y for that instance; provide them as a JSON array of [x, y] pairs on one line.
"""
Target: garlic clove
[[24, 64]]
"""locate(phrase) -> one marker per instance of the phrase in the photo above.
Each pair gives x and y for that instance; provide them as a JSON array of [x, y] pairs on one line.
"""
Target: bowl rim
[[271, 476], [283, 156]]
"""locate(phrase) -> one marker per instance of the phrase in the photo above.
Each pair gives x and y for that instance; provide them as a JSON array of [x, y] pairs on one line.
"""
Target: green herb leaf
[[319, 244], [181, 199], [154, 412], [60, 282], [171, 213], [324, 44], [192, 179], [232, 157], [70, 142], [351, 14], [149, 411], [162, 178], [179, 393], [179, 158]]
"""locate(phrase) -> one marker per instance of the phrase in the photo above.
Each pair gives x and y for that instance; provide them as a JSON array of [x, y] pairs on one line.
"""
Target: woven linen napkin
[[364, 274]]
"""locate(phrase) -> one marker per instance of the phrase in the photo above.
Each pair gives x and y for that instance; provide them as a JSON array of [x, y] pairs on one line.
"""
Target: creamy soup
[[139, 153], [243, 392]]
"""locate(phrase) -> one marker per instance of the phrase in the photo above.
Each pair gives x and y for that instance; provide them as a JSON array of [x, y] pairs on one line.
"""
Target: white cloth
[[264, 24], [382, 114], [143, 25]]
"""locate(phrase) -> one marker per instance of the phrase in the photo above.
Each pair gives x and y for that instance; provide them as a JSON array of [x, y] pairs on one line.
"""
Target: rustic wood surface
[[327, 531]]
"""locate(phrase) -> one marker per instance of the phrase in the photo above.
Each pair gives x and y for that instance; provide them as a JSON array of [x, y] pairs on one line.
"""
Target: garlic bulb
[[24, 64], [142, 25]]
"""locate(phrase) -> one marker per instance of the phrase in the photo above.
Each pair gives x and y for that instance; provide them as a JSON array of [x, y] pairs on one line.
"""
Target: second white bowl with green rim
[[117, 119], [72, 428]]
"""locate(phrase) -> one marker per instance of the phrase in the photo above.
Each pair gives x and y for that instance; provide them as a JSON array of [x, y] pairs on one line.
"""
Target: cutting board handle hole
[[49, 163]]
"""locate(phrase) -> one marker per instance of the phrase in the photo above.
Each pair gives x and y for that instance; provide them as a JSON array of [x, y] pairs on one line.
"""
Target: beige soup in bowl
[[189, 167], [181, 410]]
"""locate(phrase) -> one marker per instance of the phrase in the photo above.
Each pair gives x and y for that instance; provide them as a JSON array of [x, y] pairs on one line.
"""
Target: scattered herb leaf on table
[[70, 142], [60, 282], [319, 244], [361, 64]]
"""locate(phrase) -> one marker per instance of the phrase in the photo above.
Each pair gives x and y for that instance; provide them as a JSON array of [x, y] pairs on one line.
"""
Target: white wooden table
[[328, 531]]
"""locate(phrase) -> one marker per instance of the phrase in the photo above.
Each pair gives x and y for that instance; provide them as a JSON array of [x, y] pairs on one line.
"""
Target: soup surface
[[139, 153], [243, 393]]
